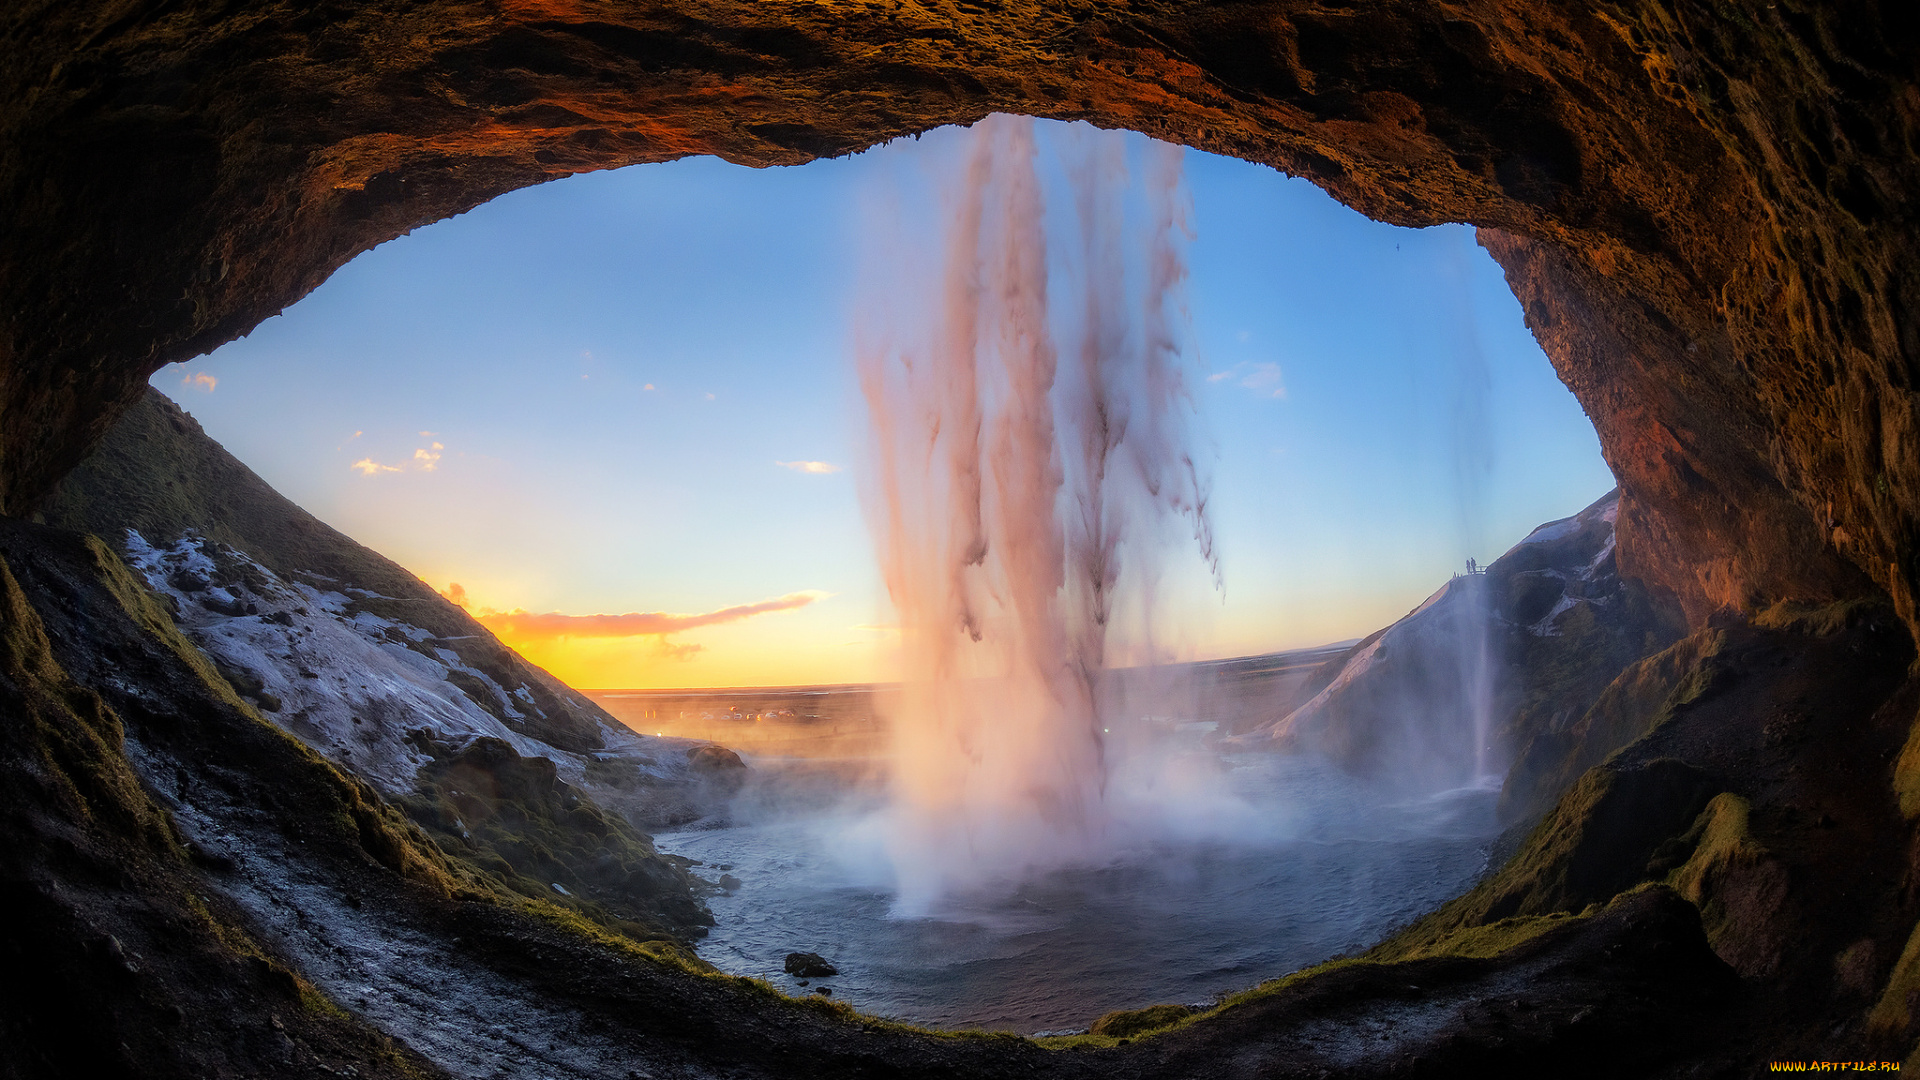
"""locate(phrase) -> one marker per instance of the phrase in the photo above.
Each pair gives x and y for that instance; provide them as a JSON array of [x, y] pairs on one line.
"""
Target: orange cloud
[[638, 648], [817, 467], [370, 467], [523, 624], [429, 459], [200, 380]]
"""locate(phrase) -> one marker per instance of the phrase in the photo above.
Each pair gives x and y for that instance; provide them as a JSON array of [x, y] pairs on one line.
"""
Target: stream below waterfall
[[1332, 866]]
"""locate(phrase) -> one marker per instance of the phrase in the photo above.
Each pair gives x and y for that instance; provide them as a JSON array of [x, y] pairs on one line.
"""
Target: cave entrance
[[616, 362], [629, 392]]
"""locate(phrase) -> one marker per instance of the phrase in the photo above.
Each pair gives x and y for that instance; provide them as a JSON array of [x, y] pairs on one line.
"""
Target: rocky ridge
[[1481, 681]]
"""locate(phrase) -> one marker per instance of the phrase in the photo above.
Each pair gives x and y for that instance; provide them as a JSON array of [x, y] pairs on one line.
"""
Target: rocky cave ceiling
[[1704, 207]]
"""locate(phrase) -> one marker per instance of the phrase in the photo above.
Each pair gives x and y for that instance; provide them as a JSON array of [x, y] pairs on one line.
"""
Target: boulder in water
[[714, 759], [809, 965], [720, 768]]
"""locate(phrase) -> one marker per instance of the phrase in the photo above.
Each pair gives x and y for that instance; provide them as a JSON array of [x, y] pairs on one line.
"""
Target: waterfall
[[1026, 383]]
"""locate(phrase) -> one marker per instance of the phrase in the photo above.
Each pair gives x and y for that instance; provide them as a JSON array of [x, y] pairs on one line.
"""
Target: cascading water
[[1029, 417], [1059, 823], [1473, 626]]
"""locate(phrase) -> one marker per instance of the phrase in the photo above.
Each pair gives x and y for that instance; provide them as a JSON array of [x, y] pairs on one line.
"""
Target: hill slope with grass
[[374, 670]]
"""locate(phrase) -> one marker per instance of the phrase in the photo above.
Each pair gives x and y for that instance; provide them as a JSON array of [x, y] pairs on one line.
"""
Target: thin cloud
[[819, 468], [200, 380], [525, 624], [429, 459], [369, 467], [1264, 378]]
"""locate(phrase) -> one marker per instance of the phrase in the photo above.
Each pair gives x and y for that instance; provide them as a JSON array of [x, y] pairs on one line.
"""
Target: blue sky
[[604, 372]]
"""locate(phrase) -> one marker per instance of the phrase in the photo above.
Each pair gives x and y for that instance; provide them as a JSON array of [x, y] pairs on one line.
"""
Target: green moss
[[658, 952], [1597, 842], [140, 605], [1718, 834], [348, 807], [676, 957], [78, 740], [1720, 839], [1110, 1029], [513, 819], [1641, 698], [1129, 1023], [1820, 620], [1593, 848], [1474, 942]]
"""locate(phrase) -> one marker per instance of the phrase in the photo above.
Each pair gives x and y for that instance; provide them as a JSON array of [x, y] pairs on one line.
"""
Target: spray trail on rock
[[1029, 415]]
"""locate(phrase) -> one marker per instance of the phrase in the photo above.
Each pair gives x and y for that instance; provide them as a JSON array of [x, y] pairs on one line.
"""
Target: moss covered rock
[[513, 817]]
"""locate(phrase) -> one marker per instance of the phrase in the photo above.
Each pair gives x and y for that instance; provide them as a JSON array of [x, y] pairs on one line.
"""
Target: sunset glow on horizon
[[631, 650], [620, 411]]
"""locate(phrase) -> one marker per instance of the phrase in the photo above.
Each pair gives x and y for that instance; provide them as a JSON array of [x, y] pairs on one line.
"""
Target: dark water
[[1324, 865]]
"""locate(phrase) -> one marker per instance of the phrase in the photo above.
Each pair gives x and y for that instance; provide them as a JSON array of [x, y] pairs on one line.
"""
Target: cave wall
[[1703, 206]]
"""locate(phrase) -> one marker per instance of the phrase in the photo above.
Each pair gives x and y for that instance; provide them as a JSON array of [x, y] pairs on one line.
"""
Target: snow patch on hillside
[[358, 688]]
